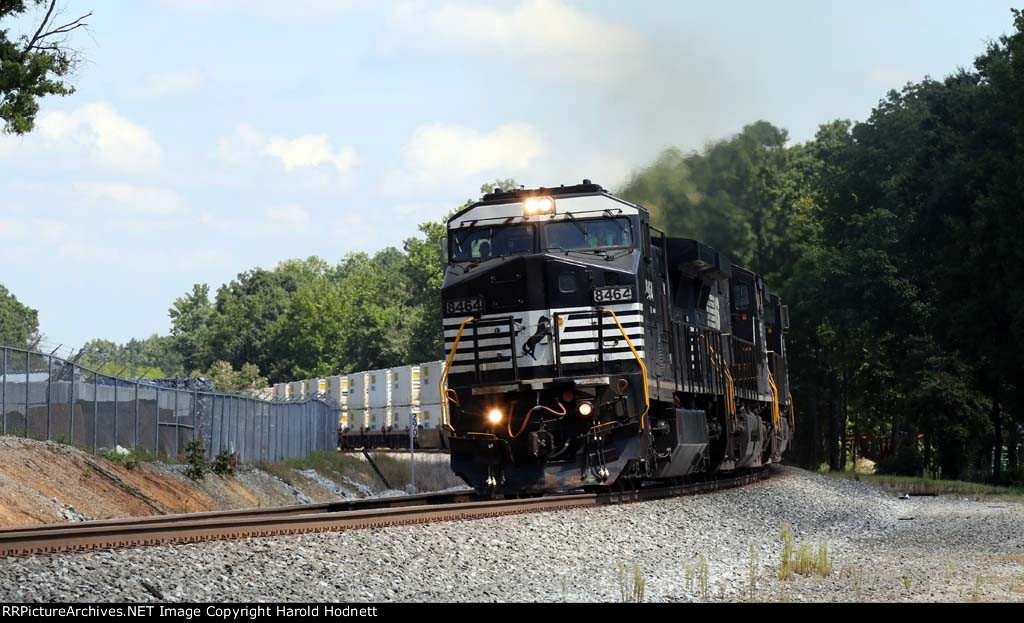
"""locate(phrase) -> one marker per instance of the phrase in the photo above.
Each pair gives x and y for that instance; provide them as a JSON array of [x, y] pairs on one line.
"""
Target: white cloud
[[551, 36], [130, 198], [96, 132], [311, 150], [166, 84], [292, 216], [440, 154], [241, 147], [313, 155]]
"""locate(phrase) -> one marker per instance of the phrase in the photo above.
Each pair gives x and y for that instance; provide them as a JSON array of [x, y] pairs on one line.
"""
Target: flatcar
[[588, 350]]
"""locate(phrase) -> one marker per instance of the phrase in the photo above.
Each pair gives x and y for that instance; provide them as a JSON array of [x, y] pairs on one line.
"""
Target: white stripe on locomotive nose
[[593, 358], [569, 348], [481, 343]]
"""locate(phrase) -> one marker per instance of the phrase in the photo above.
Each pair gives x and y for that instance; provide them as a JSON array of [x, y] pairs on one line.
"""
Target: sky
[[209, 137]]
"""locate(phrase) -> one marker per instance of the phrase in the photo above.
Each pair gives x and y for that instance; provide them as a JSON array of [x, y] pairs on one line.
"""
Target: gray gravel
[[881, 548]]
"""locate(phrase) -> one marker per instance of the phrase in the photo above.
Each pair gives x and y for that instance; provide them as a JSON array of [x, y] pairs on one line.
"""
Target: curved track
[[346, 515]]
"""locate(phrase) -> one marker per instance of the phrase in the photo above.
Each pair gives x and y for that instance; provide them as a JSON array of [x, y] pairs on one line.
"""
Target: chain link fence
[[45, 397]]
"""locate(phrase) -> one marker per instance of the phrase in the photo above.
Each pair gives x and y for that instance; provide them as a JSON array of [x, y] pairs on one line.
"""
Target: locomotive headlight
[[494, 416], [585, 409], [535, 206]]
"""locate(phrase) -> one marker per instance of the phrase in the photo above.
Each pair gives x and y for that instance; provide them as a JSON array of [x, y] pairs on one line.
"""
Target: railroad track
[[336, 516]]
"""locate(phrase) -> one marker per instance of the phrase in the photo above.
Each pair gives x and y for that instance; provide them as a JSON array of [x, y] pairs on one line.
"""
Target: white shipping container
[[314, 387], [430, 376], [405, 386], [380, 418], [358, 419], [400, 417], [379, 389], [337, 389], [358, 386], [430, 416], [296, 390], [280, 391]]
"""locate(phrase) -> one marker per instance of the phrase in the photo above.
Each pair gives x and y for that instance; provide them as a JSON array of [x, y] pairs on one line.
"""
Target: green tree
[[190, 325], [19, 324], [35, 64], [226, 378]]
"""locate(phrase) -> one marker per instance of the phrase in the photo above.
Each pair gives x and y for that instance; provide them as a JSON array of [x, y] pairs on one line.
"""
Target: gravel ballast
[[881, 549]]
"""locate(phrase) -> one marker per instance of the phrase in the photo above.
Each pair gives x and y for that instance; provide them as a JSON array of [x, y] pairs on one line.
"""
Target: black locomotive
[[587, 349]]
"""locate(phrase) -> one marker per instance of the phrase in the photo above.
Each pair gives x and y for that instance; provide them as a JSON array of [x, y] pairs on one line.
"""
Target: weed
[[195, 459], [565, 589], [690, 574], [822, 566], [906, 582], [854, 573], [129, 460], [631, 589], [806, 562], [702, 577], [783, 595], [752, 597], [786, 564], [976, 593], [949, 570]]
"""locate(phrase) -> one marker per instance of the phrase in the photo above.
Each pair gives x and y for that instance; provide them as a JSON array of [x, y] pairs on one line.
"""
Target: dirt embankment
[[46, 482]]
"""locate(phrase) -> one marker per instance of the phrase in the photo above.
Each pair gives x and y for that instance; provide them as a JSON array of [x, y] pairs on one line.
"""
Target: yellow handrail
[[643, 368], [792, 414], [775, 401], [444, 376], [730, 388]]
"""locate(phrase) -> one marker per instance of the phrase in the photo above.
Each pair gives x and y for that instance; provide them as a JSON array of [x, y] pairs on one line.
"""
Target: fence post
[[116, 384], [28, 366], [71, 404], [3, 393], [135, 436], [177, 426], [156, 425], [95, 409], [49, 395]]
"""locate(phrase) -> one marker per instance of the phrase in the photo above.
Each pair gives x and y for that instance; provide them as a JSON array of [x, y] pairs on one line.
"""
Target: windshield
[[480, 243], [589, 234]]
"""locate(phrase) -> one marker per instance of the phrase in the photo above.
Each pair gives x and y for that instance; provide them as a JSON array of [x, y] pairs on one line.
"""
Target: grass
[[752, 597], [631, 589], [131, 459], [786, 562], [926, 486], [801, 560]]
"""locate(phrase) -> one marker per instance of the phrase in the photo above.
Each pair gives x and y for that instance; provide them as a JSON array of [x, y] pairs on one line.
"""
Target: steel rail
[[280, 521]]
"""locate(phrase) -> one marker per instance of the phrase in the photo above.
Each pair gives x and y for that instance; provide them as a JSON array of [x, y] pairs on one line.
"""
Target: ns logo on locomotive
[[585, 349]]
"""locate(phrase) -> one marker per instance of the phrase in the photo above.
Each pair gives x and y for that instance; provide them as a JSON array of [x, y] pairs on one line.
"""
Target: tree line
[[897, 242]]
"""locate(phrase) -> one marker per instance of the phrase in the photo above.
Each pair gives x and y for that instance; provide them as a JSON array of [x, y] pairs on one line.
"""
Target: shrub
[[195, 460], [225, 463], [906, 462]]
